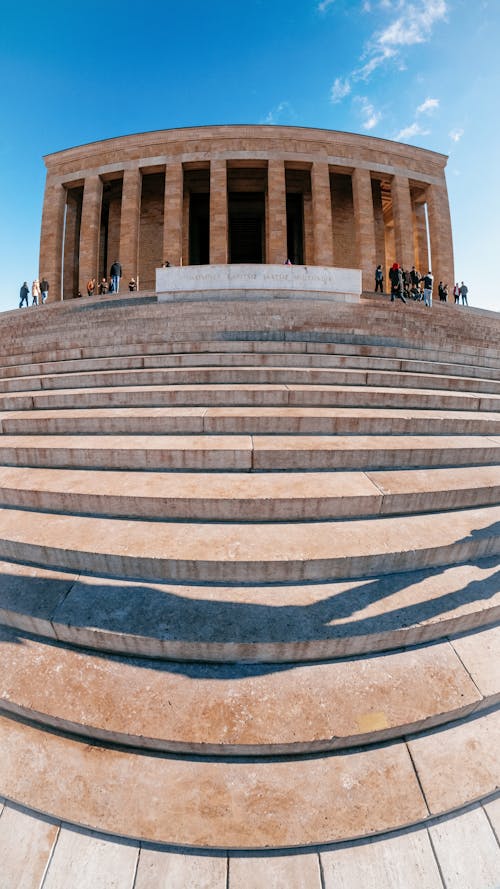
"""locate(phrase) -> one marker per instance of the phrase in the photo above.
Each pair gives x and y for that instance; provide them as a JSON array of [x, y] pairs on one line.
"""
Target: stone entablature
[[232, 194]]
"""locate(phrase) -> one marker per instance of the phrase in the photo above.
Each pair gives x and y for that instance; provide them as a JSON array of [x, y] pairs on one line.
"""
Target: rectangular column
[[364, 220], [422, 260], [440, 235], [277, 250], [218, 212], [90, 231], [173, 214], [129, 224], [322, 213], [51, 238], [403, 222]]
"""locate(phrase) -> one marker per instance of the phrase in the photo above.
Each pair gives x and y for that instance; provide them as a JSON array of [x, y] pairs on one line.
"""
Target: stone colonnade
[[213, 209]]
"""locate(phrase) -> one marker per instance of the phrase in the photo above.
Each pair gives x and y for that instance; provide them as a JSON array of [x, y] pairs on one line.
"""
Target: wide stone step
[[246, 374], [233, 452], [252, 623], [203, 355], [328, 422], [248, 496], [250, 804], [248, 710], [270, 394], [249, 553]]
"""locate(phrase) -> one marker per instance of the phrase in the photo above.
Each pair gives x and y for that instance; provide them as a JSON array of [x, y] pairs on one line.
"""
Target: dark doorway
[[246, 227], [199, 229], [295, 228]]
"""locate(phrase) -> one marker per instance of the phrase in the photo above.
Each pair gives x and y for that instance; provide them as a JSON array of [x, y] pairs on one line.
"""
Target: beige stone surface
[[470, 752], [234, 804], [26, 844], [480, 654], [467, 851], [274, 872], [401, 861], [234, 709], [492, 809], [84, 860], [161, 869], [291, 552]]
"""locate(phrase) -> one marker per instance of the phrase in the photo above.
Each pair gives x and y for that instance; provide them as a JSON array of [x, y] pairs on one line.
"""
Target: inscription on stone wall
[[258, 277]]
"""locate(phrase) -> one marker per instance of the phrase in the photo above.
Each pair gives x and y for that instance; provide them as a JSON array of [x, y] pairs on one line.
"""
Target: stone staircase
[[251, 574]]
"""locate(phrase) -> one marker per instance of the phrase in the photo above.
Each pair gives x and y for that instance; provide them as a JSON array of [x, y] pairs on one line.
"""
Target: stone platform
[[249, 595]]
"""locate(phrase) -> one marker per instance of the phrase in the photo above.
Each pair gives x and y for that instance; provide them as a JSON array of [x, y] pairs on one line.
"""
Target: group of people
[[39, 292], [412, 285]]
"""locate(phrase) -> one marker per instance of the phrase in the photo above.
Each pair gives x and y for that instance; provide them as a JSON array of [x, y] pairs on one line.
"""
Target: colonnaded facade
[[239, 194]]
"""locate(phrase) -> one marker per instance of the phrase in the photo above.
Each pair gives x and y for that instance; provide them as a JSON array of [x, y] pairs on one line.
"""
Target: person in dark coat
[[24, 294], [115, 275], [396, 277], [44, 287], [379, 279]]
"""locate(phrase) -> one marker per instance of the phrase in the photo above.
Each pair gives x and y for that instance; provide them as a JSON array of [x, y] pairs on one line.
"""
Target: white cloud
[[414, 23], [409, 132], [324, 4], [456, 135], [371, 117], [283, 109], [340, 89], [428, 106]]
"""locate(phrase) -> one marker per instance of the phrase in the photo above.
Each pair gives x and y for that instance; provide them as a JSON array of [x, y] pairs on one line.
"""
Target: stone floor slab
[[159, 869], [84, 860], [400, 861], [480, 654], [275, 872], [467, 851], [26, 844]]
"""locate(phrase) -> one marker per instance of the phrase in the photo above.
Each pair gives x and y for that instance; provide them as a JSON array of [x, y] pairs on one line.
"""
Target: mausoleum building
[[242, 194]]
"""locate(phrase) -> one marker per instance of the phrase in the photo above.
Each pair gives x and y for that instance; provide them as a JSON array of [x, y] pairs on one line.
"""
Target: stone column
[[218, 213], [90, 231], [322, 213], [277, 248], [364, 221], [403, 222], [440, 235], [129, 224], [51, 238], [422, 261], [173, 214]]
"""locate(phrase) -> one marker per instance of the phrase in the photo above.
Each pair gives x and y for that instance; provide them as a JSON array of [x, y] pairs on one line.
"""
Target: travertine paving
[[249, 596]]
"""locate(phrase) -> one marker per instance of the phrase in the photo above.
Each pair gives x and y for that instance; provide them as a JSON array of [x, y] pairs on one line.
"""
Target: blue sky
[[426, 72]]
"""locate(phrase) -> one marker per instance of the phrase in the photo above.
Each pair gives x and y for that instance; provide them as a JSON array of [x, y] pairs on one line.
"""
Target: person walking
[[24, 294], [463, 293], [44, 287], [36, 293], [396, 278], [115, 275], [379, 279], [428, 285]]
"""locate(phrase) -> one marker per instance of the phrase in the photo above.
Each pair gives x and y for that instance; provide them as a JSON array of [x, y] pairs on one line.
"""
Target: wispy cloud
[[428, 106], [456, 135], [370, 116], [280, 111], [409, 132], [324, 4], [340, 89], [412, 23]]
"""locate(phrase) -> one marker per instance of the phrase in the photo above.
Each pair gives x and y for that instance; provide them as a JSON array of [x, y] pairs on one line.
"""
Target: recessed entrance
[[246, 227]]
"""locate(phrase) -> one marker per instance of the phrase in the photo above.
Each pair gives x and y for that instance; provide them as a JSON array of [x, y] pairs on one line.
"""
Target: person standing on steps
[[115, 275], [463, 293], [379, 279], [44, 287], [456, 293], [396, 278], [24, 294], [428, 284], [36, 293]]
